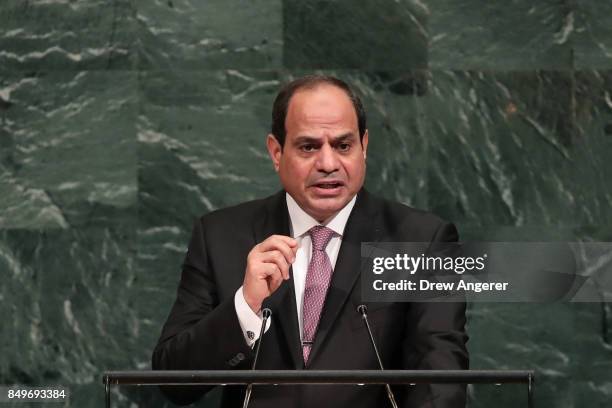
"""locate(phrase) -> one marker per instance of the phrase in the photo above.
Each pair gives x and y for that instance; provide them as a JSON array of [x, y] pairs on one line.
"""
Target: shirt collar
[[301, 222]]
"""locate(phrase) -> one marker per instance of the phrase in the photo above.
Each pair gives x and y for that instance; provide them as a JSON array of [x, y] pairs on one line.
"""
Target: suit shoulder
[[409, 223]]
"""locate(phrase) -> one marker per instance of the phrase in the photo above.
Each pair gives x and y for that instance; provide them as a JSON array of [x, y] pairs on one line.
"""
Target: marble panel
[[68, 149], [505, 149], [217, 34], [68, 35], [375, 35], [593, 34], [500, 35]]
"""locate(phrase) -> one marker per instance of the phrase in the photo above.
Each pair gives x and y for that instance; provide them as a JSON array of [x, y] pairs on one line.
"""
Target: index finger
[[286, 245]]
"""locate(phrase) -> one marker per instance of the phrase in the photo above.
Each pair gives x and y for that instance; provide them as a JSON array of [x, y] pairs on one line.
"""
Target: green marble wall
[[121, 121]]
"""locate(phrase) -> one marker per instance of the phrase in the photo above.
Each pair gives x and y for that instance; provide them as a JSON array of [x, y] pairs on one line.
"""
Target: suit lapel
[[362, 226], [275, 220]]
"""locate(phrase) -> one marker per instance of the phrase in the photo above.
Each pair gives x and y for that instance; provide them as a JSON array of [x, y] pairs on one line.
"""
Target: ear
[[274, 150], [364, 144]]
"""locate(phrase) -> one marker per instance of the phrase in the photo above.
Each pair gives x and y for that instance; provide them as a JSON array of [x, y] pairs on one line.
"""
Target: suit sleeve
[[200, 333], [436, 340]]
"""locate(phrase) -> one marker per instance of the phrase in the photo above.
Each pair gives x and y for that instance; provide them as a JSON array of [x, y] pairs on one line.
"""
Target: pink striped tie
[[317, 282]]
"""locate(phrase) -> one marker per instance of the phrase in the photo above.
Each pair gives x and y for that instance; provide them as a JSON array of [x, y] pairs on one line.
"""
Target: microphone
[[363, 310], [266, 315]]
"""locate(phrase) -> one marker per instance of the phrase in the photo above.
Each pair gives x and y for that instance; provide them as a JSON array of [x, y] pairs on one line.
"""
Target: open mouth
[[329, 185]]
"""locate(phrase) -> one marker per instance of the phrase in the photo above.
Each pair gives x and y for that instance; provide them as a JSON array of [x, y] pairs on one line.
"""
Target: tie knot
[[320, 236]]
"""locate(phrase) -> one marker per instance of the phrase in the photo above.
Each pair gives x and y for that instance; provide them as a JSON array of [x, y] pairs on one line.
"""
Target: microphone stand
[[363, 310], [266, 315]]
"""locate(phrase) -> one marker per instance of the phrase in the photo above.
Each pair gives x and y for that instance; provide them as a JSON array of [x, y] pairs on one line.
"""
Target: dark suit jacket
[[203, 332]]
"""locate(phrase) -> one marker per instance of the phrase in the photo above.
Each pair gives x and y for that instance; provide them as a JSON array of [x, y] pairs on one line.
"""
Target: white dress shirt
[[300, 224]]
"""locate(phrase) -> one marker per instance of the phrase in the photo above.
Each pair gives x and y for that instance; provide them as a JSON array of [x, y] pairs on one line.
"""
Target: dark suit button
[[232, 362], [240, 356]]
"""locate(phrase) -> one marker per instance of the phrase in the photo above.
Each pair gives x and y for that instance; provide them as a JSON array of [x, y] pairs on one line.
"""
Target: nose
[[327, 160]]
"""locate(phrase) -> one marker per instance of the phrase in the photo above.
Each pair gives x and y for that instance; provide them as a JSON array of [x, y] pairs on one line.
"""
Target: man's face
[[322, 165]]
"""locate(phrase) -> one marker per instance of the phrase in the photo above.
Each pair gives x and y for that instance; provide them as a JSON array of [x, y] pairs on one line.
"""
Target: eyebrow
[[336, 139]]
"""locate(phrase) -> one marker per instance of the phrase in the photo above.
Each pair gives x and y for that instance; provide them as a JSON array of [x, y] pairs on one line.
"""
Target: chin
[[326, 211]]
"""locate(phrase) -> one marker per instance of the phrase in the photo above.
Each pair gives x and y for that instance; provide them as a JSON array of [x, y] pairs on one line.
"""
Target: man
[[298, 253]]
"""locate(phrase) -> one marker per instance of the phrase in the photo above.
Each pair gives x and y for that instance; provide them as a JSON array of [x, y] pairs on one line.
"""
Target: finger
[[277, 258], [276, 240], [279, 245], [274, 282], [274, 277], [268, 263], [269, 268], [292, 242]]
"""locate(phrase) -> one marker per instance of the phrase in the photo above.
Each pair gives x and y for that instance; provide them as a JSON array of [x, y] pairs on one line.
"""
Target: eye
[[307, 148], [344, 147]]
